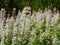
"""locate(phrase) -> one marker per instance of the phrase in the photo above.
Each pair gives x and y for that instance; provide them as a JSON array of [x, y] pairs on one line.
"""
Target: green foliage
[[34, 4]]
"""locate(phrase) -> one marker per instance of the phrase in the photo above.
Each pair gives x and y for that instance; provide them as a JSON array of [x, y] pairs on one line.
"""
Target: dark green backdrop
[[34, 4]]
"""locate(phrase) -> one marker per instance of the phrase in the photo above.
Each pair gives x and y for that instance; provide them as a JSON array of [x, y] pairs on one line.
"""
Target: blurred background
[[34, 4]]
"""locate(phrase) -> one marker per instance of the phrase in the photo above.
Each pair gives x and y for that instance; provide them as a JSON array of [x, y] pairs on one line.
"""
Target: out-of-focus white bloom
[[55, 40], [19, 15], [14, 41], [33, 37], [43, 36], [27, 11]]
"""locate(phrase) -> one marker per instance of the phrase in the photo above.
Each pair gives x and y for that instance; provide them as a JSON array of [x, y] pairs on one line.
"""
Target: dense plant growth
[[36, 29]]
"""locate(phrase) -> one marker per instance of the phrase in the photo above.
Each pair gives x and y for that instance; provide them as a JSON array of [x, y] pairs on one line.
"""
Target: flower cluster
[[38, 28]]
